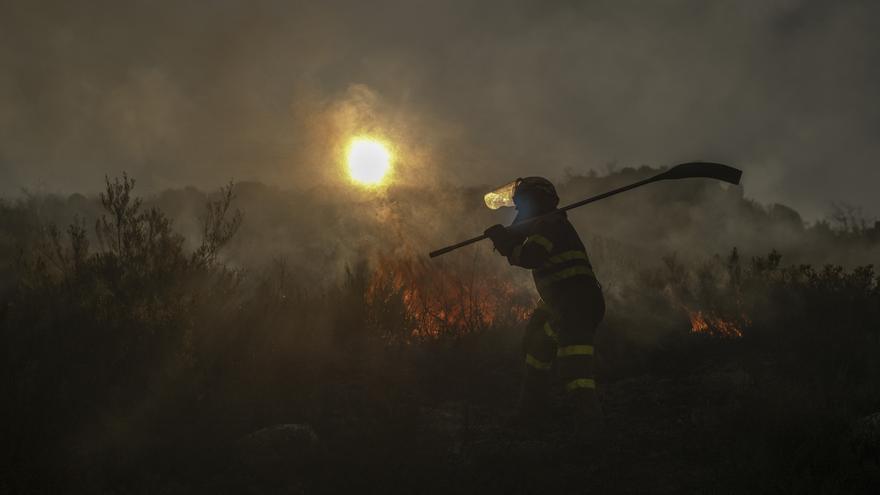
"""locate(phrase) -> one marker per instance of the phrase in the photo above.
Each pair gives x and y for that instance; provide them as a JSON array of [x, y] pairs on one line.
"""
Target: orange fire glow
[[712, 324], [433, 301]]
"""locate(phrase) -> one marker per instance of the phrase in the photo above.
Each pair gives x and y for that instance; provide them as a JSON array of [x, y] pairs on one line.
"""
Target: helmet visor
[[503, 196]]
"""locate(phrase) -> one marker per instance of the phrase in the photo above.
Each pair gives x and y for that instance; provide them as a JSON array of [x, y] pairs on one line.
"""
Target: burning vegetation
[[714, 325], [433, 300], [184, 355]]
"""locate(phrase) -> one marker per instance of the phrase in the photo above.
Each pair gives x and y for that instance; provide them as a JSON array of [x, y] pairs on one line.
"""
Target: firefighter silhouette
[[559, 335]]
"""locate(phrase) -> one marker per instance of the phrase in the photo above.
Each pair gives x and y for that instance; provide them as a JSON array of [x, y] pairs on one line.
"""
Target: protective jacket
[[563, 326]]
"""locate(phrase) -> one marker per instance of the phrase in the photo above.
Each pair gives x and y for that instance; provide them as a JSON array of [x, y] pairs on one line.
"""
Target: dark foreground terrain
[[728, 427], [134, 363]]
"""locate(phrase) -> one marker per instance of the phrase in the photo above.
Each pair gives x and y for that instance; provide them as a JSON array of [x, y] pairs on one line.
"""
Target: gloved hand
[[502, 238]]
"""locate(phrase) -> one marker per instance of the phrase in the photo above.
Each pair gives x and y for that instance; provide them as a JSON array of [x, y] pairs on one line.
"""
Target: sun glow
[[369, 161]]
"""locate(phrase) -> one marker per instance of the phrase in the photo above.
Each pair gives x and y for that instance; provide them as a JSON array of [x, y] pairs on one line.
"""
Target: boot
[[582, 415], [533, 411]]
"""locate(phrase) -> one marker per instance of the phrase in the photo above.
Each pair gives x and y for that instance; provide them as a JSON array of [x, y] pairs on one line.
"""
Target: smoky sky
[[468, 92]]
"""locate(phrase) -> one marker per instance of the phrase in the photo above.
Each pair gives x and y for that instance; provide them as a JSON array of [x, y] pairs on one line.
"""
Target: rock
[[447, 422], [509, 451], [866, 436], [447, 419], [727, 379], [285, 443]]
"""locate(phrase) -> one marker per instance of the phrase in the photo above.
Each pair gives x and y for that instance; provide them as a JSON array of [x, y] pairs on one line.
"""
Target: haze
[[472, 93]]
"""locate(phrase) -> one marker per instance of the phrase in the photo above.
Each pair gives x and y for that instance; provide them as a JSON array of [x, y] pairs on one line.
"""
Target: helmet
[[535, 189]]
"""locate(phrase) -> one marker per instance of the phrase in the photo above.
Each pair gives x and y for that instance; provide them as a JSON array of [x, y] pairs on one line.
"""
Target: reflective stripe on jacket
[[558, 259]]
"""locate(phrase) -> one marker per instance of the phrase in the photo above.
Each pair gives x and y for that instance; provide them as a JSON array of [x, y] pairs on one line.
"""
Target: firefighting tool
[[503, 196]]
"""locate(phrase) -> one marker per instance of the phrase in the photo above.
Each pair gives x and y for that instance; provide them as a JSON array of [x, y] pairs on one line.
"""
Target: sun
[[369, 161]]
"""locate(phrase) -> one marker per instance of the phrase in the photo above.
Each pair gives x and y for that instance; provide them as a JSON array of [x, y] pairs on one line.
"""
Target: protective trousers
[[560, 337]]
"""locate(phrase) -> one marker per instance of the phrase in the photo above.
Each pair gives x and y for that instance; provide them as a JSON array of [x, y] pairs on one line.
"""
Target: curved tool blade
[[706, 170], [690, 170]]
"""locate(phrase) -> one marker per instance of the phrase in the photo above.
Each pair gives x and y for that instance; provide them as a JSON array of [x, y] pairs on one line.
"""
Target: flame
[[712, 324], [436, 301]]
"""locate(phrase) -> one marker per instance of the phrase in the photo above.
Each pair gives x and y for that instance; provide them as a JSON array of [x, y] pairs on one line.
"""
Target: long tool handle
[[434, 254], [453, 247], [684, 171]]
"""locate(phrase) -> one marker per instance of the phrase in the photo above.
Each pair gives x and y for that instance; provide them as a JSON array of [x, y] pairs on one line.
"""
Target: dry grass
[[136, 366]]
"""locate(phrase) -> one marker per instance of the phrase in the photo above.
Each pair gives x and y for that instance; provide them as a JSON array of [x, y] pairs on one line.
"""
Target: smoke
[[323, 232], [268, 92], [183, 93]]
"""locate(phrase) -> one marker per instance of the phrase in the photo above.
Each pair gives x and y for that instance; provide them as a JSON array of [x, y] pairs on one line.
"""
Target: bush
[[99, 337], [129, 356]]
